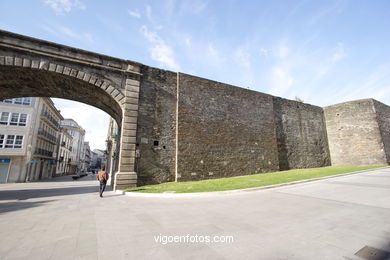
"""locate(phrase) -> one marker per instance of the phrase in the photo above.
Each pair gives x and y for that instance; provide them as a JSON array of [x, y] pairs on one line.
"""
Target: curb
[[213, 193]]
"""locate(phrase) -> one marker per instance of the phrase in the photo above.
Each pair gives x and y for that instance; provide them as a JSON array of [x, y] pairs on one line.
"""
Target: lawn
[[248, 181]]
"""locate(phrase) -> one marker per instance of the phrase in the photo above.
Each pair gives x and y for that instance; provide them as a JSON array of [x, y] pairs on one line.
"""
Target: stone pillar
[[126, 176]]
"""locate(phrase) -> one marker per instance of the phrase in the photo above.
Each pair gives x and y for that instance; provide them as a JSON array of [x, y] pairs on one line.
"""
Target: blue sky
[[323, 51]]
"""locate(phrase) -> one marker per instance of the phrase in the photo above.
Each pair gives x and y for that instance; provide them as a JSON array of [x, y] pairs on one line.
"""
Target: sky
[[324, 51]]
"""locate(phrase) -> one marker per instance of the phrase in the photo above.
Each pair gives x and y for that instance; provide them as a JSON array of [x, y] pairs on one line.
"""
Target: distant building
[[99, 158], [76, 153], [28, 139], [64, 150], [112, 148], [86, 157]]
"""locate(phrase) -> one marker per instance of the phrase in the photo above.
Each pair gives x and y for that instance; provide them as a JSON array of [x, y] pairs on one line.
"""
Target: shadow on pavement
[[13, 206], [43, 193]]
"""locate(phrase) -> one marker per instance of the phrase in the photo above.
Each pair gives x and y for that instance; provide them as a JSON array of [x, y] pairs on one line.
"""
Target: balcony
[[43, 152], [50, 119], [46, 135]]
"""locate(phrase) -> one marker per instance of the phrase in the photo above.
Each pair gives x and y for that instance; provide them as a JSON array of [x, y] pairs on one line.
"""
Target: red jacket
[[102, 175]]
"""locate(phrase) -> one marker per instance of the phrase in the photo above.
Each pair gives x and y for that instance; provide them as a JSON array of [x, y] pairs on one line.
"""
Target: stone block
[[132, 88], [131, 139], [130, 100], [115, 93], [74, 73], [92, 80], [128, 154], [43, 65], [130, 106], [130, 119], [127, 161], [80, 75], [127, 146], [27, 63], [120, 97], [130, 126], [60, 69], [67, 71], [52, 67], [35, 64], [129, 132], [9, 61], [110, 89], [87, 77], [132, 94], [132, 82], [130, 113], [18, 61], [126, 167]]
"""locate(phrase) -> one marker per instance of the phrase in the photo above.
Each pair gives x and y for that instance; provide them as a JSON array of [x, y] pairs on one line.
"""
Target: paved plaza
[[328, 219]]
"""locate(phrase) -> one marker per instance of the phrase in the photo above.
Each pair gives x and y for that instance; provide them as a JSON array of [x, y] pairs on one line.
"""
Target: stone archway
[[32, 67]]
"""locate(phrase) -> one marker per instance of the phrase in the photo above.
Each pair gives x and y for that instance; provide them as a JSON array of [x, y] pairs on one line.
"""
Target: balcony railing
[[50, 118], [47, 135], [43, 152]]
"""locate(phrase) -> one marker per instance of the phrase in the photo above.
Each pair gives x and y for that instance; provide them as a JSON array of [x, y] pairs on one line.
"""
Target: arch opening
[[25, 82]]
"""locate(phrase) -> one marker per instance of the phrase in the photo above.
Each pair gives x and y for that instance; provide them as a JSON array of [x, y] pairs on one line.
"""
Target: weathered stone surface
[[225, 130], [156, 127], [32, 67], [383, 117], [354, 134], [301, 135]]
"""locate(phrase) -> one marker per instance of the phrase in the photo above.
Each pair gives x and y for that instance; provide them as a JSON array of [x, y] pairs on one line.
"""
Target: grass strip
[[248, 181]]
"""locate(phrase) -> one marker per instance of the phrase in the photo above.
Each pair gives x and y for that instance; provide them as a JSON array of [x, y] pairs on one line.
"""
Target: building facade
[[86, 157], [112, 149], [28, 139], [17, 124], [44, 157], [64, 150], [76, 153]]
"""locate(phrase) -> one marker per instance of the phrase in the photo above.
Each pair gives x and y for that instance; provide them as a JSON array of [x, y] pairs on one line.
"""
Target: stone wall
[[156, 127], [383, 117], [301, 135], [353, 133], [223, 130]]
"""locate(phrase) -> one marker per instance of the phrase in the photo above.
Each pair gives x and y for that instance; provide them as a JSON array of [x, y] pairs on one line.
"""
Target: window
[[23, 119], [27, 101], [18, 101], [14, 119], [4, 118], [11, 141], [18, 141]]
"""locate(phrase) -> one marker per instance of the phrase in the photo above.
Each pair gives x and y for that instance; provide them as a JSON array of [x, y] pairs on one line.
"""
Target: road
[[327, 219]]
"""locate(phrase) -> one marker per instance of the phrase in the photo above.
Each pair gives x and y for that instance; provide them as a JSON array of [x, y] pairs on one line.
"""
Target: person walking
[[102, 177]]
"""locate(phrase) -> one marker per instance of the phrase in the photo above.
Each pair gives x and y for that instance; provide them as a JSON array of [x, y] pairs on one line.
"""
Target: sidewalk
[[326, 219]]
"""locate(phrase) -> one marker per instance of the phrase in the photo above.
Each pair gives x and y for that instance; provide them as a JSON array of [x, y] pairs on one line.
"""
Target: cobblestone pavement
[[327, 219]]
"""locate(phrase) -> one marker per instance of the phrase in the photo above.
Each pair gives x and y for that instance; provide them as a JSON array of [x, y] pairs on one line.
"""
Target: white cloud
[[242, 56], [283, 51], [194, 7], [326, 65], [264, 52], [134, 13], [68, 32], [160, 51], [64, 6], [339, 54], [149, 12], [93, 120], [281, 81]]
